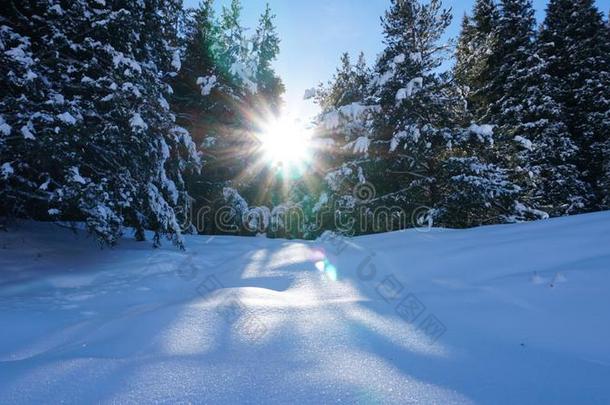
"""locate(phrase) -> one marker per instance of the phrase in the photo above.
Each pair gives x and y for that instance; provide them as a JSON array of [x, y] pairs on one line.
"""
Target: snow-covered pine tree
[[204, 103], [348, 85], [473, 190], [27, 105], [533, 138], [226, 81], [94, 138], [431, 162], [266, 48], [411, 130], [575, 43], [262, 106], [235, 51], [510, 55], [343, 137], [472, 70], [398, 144], [199, 75]]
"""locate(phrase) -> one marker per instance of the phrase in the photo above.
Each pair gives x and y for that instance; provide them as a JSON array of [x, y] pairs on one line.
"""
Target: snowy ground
[[505, 314]]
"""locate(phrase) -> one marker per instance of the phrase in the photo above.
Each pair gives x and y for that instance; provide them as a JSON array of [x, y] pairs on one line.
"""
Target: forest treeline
[[142, 114]]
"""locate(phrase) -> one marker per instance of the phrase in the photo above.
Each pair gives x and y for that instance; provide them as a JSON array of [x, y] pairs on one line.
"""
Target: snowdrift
[[500, 314]]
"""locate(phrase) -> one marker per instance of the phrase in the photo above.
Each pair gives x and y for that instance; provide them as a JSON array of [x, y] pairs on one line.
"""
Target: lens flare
[[285, 144], [331, 272], [325, 267], [320, 265]]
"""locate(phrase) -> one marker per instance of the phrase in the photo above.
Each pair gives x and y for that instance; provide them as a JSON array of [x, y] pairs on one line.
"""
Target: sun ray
[[285, 144]]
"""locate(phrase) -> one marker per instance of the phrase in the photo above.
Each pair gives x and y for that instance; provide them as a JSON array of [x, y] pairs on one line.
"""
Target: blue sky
[[315, 32]]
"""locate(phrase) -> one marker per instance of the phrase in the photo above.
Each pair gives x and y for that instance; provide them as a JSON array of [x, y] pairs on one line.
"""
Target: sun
[[285, 144]]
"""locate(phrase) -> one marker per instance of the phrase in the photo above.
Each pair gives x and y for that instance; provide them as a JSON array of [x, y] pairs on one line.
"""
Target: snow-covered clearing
[[503, 314]]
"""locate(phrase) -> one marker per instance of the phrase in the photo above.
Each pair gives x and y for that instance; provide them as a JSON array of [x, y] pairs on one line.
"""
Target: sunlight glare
[[286, 144]]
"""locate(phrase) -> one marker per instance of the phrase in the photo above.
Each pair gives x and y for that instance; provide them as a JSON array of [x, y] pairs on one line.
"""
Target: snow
[[5, 129], [412, 87], [522, 209], [384, 78], [347, 114], [26, 131], [421, 316], [412, 133], [45, 186], [207, 84], [356, 111], [245, 74], [67, 118], [398, 59], [331, 120], [401, 94], [176, 62], [415, 57], [75, 172], [524, 142], [321, 203], [56, 99], [163, 103], [119, 59], [232, 196], [361, 145], [6, 170], [485, 131], [310, 93], [29, 76], [137, 123], [57, 9], [19, 55], [396, 139], [129, 87]]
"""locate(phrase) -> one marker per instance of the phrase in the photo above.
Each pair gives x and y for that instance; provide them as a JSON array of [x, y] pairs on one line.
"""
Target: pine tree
[[473, 65], [203, 103], [473, 190], [266, 48], [97, 141], [348, 85], [398, 146], [534, 140], [575, 42], [437, 163], [464, 55], [343, 134], [235, 54], [414, 116], [226, 88], [510, 56], [531, 138]]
